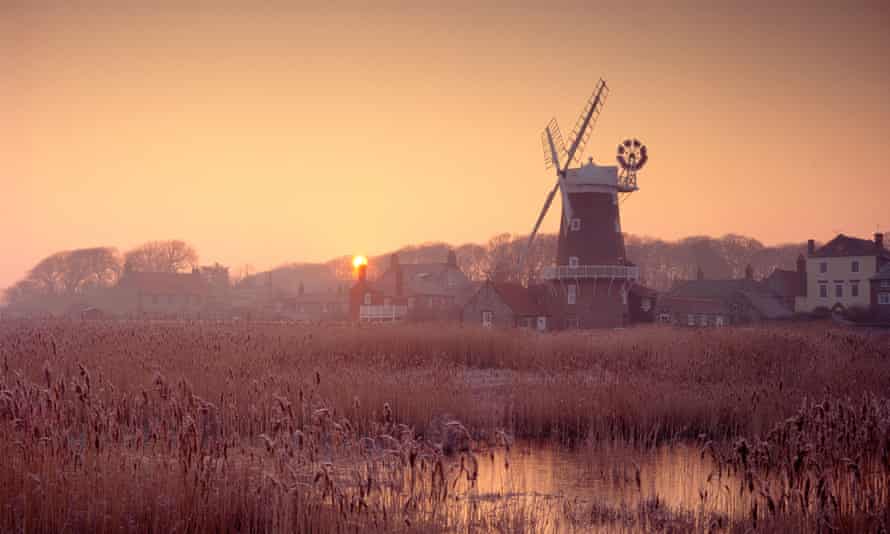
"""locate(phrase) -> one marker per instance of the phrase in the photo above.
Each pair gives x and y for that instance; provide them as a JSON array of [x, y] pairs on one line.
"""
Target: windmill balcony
[[618, 272], [382, 312]]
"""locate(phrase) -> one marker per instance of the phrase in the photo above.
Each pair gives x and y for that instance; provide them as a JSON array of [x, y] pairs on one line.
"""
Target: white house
[[838, 273]]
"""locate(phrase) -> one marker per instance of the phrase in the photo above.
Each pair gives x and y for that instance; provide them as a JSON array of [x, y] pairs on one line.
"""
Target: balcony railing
[[621, 272], [381, 312]]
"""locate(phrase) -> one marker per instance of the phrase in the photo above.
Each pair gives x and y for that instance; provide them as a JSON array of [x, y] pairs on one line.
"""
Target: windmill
[[557, 157], [591, 276]]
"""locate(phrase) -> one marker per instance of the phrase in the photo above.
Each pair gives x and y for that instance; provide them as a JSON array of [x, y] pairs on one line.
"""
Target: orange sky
[[274, 134]]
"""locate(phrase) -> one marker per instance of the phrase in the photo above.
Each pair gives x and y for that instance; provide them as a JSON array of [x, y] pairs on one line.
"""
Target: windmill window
[[576, 224], [854, 266], [572, 293], [573, 261]]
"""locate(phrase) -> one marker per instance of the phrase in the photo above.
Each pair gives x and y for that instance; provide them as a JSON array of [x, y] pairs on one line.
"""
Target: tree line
[[662, 263], [72, 273]]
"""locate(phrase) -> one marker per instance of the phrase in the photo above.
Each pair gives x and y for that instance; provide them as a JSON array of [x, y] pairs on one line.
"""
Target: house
[[789, 284], [704, 302], [415, 291], [880, 293], [162, 295], [369, 303], [321, 306], [508, 305], [838, 273]]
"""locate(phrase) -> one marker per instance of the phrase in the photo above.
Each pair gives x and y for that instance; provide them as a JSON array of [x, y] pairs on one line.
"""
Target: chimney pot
[[879, 240], [811, 246]]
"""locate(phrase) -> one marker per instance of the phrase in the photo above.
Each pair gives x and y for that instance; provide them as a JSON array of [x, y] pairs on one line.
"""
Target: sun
[[358, 261]]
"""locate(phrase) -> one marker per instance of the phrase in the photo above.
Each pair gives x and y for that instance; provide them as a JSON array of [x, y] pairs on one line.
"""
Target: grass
[[111, 426]]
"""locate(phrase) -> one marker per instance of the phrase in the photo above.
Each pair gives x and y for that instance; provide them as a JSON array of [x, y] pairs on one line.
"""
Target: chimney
[[452, 258], [362, 272], [394, 260], [749, 272], [700, 274], [879, 241], [811, 247], [801, 275], [400, 281]]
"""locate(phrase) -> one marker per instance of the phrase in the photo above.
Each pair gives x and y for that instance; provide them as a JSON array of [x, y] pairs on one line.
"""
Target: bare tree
[[171, 256]]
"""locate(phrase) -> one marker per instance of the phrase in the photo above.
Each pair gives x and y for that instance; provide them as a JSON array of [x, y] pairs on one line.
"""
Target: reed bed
[[252, 427]]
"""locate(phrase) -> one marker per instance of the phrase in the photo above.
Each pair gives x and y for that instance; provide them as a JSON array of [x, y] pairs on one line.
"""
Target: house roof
[[693, 305], [784, 282], [843, 245], [166, 283], [441, 279], [883, 274], [758, 294], [522, 300]]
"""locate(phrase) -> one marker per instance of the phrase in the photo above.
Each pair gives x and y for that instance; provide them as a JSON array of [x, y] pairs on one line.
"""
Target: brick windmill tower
[[589, 283]]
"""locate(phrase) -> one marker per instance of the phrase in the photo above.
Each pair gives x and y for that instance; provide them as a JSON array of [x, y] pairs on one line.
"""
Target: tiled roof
[[765, 301], [522, 300], [843, 245], [685, 305], [440, 279], [784, 282], [165, 283]]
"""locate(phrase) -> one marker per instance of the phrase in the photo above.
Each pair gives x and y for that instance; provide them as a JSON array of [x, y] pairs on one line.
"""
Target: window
[[823, 267], [884, 299], [838, 291], [646, 304], [624, 297], [854, 289], [576, 224], [690, 319], [885, 283], [854, 266], [573, 261], [367, 299], [542, 323], [572, 323], [823, 291], [718, 321], [572, 293], [487, 317], [703, 320]]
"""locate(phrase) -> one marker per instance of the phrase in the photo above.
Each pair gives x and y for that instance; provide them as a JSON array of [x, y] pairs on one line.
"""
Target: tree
[[171, 256], [67, 274]]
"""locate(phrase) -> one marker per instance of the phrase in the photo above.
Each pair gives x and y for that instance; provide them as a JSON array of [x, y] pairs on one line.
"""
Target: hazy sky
[[271, 134]]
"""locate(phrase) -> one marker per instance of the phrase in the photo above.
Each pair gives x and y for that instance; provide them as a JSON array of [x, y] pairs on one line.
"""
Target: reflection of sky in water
[[678, 476]]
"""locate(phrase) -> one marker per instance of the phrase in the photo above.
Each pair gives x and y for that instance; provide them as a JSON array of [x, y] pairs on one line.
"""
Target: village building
[[314, 307], [414, 291], [703, 302], [838, 273], [163, 295], [508, 305], [789, 284], [880, 293]]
